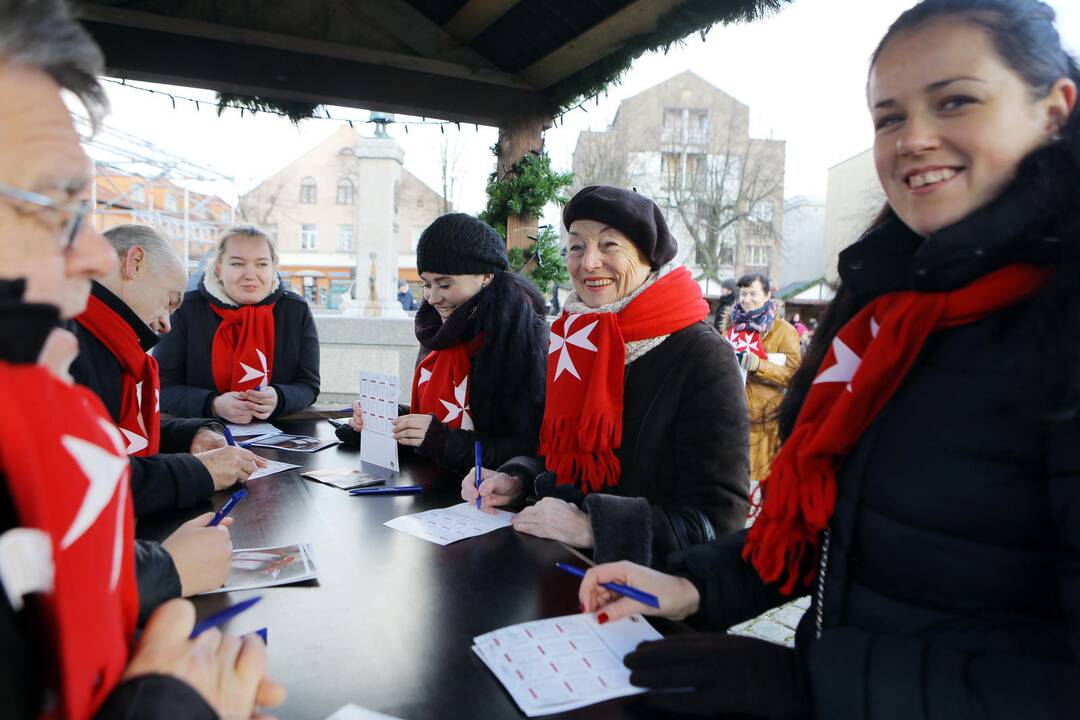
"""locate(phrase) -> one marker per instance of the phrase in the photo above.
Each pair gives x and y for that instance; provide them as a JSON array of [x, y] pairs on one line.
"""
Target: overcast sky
[[801, 71]]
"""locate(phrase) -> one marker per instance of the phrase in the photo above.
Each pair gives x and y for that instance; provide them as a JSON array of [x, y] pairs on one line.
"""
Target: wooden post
[[517, 138]]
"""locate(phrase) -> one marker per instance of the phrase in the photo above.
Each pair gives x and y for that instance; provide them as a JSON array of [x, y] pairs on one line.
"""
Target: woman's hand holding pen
[[678, 597], [496, 489]]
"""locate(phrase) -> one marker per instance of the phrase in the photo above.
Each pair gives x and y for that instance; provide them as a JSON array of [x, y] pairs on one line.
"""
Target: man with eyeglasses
[[68, 597]]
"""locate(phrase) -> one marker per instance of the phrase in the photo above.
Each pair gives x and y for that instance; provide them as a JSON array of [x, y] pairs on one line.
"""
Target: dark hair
[[750, 278], [42, 34], [1023, 34]]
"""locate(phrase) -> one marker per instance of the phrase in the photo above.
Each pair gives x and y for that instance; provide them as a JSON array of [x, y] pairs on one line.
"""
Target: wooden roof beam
[[600, 41], [258, 38], [410, 26], [166, 57], [475, 17]]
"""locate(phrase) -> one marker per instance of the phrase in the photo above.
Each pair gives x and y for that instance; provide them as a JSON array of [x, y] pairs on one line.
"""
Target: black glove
[[721, 675]]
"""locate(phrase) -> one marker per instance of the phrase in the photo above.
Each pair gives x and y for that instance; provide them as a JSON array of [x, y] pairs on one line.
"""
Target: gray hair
[[44, 35], [244, 231], [153, 242]]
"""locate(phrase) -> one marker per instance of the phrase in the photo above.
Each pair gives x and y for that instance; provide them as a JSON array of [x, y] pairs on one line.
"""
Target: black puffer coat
[[952, 585]]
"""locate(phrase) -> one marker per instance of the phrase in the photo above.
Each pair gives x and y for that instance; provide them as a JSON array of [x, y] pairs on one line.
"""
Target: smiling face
[[605, 266], [446, 293], [42, 154], [246, 269], [753, 296], [953, 121]]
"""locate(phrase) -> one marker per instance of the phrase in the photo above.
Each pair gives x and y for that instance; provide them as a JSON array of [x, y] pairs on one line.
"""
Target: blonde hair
[[244, 231]]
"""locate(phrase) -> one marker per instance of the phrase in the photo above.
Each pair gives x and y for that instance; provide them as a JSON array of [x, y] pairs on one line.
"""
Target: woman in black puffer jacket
[[927, 496], [483, 348]]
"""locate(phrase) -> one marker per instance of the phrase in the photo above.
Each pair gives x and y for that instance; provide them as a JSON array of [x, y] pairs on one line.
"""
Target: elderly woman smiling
[[645, 434]]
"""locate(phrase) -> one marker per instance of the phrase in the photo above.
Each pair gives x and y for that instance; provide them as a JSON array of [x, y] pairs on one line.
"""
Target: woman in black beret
[[643, 448], [483, 339]]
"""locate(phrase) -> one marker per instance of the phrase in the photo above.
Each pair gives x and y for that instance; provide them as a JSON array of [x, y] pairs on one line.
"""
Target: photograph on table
[[265, 567]]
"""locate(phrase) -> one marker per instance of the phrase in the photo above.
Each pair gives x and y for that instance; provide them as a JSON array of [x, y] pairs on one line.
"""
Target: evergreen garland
[[544, 264], [525, 190]]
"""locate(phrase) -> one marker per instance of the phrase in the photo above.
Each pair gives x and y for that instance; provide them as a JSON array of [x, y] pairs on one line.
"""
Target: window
[[307, 237], [170, 202], [670, 169], [762, 211], [696, 171], [757, 255], [698, 130], [344, 238], [347, 151], [345, 192], [727, 255], [308, 190], [138, 193]]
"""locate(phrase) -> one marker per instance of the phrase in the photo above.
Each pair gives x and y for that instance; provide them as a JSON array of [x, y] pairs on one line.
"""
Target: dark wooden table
[[389, 623]]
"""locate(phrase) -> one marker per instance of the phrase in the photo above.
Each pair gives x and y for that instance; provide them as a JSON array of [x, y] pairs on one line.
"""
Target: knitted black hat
[[459, 244], [634, 215]]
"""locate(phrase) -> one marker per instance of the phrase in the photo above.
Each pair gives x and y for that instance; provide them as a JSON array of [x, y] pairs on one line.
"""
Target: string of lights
[[174, 98]]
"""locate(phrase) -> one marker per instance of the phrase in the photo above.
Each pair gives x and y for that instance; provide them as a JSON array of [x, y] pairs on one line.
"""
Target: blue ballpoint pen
[[224, 616], [229, 438], [479, 474], [632, 593], [390, 490], [228, 506]]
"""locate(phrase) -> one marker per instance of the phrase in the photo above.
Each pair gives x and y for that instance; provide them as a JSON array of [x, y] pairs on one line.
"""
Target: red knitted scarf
[[243, 349], [583, 409], [867, 362], [140, 415], [441, 384], [68, 477]]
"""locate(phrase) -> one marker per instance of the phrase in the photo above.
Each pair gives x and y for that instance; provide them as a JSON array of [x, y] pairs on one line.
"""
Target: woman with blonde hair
[[242, 347]]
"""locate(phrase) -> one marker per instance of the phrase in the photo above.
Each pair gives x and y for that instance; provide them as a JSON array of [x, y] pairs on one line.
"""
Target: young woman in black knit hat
[[927, 494], [483, 343], [643, 449]]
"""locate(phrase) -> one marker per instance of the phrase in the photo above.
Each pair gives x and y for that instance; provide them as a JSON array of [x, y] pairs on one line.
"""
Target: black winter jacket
[[184, 355], [506, 383], [23, 671], [952, 583], [684, 455], [159, 482]]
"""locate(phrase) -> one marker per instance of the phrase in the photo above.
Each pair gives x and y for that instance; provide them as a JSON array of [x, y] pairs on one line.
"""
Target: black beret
[[632, 214]]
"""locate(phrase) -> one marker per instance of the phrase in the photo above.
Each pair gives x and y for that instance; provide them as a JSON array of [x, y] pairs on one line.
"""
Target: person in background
[[722, 318], [927, 496], [241, 348], [643, 445], [68, 593], [405, 297], [483, 339], [767, 348]]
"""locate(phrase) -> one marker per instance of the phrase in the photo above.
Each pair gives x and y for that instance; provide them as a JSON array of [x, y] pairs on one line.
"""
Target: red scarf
[[243, 351], [869, 358], [140, 414], [68, 477], [441, 384], [583, 409]]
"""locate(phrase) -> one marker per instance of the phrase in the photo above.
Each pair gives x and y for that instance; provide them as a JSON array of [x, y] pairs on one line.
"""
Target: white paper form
[[379, 407], [355, 712], [448, 525], [252, 430], [563, 663], [273, 468]]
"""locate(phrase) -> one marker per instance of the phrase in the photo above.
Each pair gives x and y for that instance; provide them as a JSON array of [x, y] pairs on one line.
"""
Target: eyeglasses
[[76, 212]]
